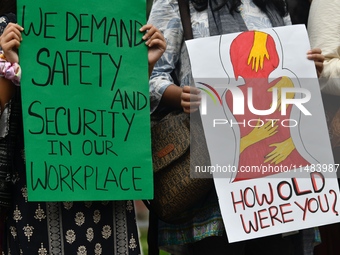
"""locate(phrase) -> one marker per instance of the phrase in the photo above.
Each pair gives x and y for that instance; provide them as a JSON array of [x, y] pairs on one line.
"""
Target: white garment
[[324, 33]]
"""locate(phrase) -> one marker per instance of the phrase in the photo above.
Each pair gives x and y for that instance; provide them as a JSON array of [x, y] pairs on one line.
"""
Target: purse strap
[[184, 11]]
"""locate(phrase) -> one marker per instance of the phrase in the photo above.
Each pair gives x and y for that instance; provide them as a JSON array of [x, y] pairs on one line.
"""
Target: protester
[[6, 92], [323, 33], [101, 227], [323, 30], [204, 233]]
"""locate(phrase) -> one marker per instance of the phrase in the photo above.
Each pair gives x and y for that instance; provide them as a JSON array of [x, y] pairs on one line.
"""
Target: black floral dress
[[70, 228]]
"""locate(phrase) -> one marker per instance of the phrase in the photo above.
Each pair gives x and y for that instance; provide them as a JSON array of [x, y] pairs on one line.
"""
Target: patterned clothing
[[5, 19], [6, 137], [70, 228], [256, 19], [206, 220], [165, 16]]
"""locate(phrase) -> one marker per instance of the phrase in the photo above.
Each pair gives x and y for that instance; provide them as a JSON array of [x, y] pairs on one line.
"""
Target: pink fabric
[[10, 71]]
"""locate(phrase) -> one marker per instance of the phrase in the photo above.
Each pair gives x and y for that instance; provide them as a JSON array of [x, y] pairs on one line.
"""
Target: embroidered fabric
[[8, 118], [77, 228], [8, 131], [4, 120]]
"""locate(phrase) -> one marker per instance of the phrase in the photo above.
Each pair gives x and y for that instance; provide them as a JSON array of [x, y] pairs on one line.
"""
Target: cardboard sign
[[266, 132], [85, 99]]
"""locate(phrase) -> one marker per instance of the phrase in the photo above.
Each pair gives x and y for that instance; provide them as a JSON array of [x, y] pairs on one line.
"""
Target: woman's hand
[[318, 58], [190, 99], [156, 43], [10, 42]]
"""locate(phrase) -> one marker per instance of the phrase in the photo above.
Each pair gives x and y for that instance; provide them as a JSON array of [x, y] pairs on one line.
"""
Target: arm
[[259, 51], [10, 42], [156, 43], [6, 92], [163, 91], [318, 58], [323, 30], [259, 133], [281, 152]]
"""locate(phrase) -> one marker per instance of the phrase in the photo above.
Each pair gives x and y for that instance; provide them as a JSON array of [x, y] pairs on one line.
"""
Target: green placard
[[85, 99]]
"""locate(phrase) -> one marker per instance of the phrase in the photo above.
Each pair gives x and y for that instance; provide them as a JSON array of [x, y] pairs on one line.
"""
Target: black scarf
[[6, 18], [221, 21]]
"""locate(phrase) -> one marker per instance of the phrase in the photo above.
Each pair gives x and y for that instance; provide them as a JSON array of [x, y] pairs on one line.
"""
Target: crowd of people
[[110, 227]]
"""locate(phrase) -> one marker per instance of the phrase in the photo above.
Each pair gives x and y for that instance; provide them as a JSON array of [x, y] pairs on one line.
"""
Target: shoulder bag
[[178, 146]]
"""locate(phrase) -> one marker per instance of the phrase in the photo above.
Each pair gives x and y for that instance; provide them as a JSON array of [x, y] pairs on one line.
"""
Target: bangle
[[2, 56], [10, 71]]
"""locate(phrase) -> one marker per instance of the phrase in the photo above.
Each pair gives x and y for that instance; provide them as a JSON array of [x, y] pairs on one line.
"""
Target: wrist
[[172, 97], [10, 71], [11, 56]]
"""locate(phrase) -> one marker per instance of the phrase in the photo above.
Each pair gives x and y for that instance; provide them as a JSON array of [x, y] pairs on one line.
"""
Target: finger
[[190, 93], [154, 37], [269, 159], [11, 24], [273, 151], [150, 32], [315, 54], [272, 158], [9, 37], [145, 27], [261, 62], [188, 105], [13, 29], [257, 64], [191, 90], [272, 132], [316, 57], [319, 66], [266, 56], [160, 44], [157, 44], [185, 104], [10, 45], [279, 159], [190, 97], [315, 51], [249, 59], [270, 124], [258, 123], [319, 58], [274, 125], [190, 110]]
